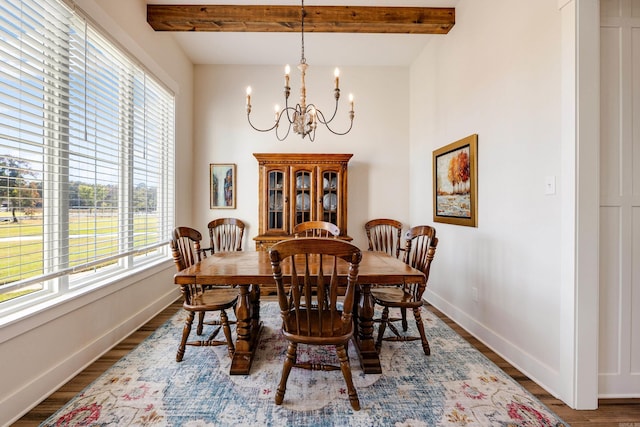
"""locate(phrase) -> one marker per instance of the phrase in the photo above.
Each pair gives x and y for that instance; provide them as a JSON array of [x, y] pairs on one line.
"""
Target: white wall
[[379, 141], [498, 74], [43, 351]]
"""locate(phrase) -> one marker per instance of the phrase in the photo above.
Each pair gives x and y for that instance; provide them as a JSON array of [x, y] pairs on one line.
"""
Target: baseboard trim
[[34, 392], [546, 377]]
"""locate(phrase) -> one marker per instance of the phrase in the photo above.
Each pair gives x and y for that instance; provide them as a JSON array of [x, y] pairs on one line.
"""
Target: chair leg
[[186, 330], [405, 325], [289, 361], [346, 373], [227, 332], [384, 319], [423, 335], [200, 322]]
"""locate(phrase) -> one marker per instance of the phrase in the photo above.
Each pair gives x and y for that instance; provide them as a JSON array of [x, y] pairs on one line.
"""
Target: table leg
[[254, 295], [365, 344], [248, 329]]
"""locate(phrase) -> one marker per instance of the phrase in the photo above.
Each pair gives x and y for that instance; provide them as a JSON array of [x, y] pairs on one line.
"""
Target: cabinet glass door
[[302, 196], [330, 196], [275, 213]]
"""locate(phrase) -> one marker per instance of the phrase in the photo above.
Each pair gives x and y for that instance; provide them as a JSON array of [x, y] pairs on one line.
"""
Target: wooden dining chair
[[225, 234], [186, 251], [310, 311], [384, 235], [316, 229], [419, 250]]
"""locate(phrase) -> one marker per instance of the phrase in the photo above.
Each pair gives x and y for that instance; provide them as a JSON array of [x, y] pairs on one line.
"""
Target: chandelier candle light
[[303, 117]]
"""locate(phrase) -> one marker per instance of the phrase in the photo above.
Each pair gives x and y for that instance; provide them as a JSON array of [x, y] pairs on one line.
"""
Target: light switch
[[550, 185]]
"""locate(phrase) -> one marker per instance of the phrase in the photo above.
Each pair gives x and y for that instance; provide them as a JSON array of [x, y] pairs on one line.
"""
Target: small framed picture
[[222, 185], [455, 182]]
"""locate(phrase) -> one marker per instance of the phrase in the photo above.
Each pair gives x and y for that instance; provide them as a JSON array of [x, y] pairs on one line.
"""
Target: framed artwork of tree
[[455, 182]]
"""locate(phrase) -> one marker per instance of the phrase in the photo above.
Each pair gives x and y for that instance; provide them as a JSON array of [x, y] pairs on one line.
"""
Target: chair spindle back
[[316, 229], [226, 234], [312, 264], [384, 235]]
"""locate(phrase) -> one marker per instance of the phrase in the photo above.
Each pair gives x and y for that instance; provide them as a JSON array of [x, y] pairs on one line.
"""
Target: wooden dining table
[[250, 270]]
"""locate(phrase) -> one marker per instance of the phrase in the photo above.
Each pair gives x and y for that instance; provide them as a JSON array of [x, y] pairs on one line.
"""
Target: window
[[86, 155]]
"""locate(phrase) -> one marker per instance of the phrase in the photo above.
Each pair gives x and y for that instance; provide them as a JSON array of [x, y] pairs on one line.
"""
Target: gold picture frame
[[455, 182], [222, 185]]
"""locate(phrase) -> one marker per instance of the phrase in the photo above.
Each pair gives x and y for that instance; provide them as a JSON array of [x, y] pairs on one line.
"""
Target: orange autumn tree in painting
[[459, 173]]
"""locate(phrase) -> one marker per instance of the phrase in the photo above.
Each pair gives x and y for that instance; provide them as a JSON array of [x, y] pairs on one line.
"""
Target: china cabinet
[[295, 188]]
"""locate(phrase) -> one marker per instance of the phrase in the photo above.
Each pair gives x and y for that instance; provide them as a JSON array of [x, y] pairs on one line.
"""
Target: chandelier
[[304, 118]]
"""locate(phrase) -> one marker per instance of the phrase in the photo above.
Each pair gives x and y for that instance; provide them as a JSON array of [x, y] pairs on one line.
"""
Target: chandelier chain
[[303, 60]]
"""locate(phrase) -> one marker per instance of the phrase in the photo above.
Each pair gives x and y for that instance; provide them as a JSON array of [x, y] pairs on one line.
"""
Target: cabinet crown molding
[[298, 158]]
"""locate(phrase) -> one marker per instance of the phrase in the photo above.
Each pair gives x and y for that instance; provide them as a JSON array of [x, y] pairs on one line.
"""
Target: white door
[[619, 337]]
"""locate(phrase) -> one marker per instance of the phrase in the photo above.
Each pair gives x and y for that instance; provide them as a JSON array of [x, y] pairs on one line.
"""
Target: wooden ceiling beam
[[325, 19]]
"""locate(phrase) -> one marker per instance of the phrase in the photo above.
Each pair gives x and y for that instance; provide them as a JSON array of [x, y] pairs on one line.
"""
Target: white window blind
[[86, 153]]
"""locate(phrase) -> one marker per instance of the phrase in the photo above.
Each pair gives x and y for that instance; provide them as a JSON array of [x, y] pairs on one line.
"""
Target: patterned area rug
[[455, 386]]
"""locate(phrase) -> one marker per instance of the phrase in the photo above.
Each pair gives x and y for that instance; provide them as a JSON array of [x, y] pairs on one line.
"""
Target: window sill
[[31, 317]]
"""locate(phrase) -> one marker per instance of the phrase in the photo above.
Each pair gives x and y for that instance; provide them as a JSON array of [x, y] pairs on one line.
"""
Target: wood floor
[[611, 413]]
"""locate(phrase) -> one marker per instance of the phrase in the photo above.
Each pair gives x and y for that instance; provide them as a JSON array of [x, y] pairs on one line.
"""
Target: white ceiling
[[330, 49]]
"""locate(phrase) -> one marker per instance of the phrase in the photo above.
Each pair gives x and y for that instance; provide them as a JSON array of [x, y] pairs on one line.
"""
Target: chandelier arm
[[287, 108], [326, 124], [262, 130], [320, 114], [285, 135], [320, 119], [335, 110]]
